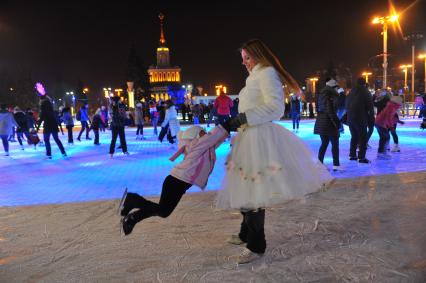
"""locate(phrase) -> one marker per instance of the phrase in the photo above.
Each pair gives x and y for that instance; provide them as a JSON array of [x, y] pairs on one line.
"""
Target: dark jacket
[[341, 101], [21, 119], [327, 122], [47, 116], [295, 106], [380, 102], [67, 117], [118, 115], [161, 113], [359, 106], [30, 119], [96, 122], [234, 108]]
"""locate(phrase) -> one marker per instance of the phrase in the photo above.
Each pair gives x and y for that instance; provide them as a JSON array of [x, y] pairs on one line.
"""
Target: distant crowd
[[23, 124]]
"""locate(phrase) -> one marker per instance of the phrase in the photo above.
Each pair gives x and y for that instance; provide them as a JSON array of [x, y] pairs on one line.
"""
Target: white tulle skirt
[[268, 164]]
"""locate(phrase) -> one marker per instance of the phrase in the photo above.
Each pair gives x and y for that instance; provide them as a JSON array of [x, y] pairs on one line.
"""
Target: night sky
[[71, 41]]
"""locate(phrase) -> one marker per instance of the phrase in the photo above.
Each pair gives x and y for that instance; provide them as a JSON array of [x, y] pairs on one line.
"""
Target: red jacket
[[386, 118], [223, 104]]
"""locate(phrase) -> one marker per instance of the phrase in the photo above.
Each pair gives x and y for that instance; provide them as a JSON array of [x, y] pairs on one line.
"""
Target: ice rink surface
[[90, 174]]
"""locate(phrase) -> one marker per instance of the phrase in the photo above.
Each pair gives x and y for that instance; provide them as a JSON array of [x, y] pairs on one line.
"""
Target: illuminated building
[[163, 76]]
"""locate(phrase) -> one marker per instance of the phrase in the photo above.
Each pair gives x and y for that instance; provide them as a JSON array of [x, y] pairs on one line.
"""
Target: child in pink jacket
[[199, 150], [386, 120]]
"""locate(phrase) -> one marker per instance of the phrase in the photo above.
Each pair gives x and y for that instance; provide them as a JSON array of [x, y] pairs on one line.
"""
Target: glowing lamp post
[[413, 37], [423, 56], [313, 81], [131, 94], [405, 70], [221, 88], [366, 74], [384, 21]]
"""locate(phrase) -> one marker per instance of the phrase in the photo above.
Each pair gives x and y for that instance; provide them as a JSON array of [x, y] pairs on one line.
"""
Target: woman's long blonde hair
[[264, 56]]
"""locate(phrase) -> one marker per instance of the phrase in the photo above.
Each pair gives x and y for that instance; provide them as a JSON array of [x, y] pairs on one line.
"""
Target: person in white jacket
[[267, 164], [171, 121], [7, 122]]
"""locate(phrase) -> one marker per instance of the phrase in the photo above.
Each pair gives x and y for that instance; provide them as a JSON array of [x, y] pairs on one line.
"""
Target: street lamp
[[405, 70], [366, 74], [423, 56], [413, 37], [384, 21], [220, 88], [118, 91], [314, 81]]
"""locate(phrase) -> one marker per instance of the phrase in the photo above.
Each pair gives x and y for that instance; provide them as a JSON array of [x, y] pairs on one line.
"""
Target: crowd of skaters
[[334, 106], [25, 125], [362, 112]]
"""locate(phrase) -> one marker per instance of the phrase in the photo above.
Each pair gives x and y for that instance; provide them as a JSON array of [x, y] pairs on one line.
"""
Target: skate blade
[[121, 204]]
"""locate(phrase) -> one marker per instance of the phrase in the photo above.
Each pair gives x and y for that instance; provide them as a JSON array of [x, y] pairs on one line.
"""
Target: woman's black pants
[[252, 230]]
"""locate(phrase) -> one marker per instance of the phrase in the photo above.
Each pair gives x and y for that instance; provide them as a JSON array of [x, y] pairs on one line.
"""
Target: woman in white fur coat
[[268, 163]]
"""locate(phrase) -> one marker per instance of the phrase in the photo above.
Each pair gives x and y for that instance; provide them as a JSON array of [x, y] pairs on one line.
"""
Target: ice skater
[[6, 123], [385, 121], [50, 126], [268, 164], [199, 150], [118, 120]]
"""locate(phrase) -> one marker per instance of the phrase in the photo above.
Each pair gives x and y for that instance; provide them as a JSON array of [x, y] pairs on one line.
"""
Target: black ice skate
[[127, 224]]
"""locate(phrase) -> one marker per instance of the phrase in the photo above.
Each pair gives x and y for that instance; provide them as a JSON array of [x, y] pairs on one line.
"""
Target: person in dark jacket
[[139, 121], [96, 125], [22, 128], [69, 123], [423, 123], [327, 123], [50, 126], [295, 111], [104, 117], [161, 115], [212, 115], [58, 116], [234, 108], [360, 111], [118, 121], [341, 107], [31, 121], [311, 110], [84, 119]]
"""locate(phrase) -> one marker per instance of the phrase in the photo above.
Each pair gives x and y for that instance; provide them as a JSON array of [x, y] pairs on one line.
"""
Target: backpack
[[78, 115]]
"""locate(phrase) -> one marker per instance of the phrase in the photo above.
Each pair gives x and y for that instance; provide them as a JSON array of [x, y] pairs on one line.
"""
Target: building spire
[[162, 39]]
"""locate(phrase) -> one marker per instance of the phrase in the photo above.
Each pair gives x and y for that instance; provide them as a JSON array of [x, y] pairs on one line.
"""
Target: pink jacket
[[386, 118], [200, 157], [223, 104]]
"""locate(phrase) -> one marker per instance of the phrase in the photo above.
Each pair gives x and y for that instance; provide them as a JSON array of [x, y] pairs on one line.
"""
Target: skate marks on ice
[[359, 230]]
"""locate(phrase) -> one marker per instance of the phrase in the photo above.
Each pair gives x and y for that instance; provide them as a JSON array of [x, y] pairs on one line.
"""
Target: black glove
[[231, 125]]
